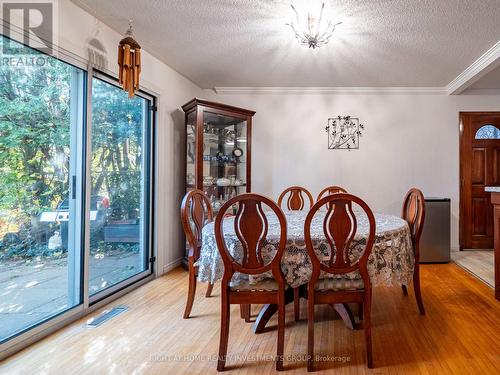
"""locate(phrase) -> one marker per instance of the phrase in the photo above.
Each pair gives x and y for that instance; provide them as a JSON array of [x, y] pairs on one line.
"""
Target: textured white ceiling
[[246, 43]]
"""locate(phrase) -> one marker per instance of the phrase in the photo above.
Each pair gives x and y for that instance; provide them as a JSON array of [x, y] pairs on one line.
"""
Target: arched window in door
[[488, 132]]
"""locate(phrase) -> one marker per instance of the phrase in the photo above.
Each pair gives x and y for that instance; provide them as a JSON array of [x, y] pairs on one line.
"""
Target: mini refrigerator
[[435, 243]]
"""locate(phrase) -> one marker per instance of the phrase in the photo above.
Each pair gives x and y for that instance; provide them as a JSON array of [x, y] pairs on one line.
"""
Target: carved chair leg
[[281, 333], [224, 332], [405, 290], [360, 311], [416, 287], [367, 325], [310, 332], [191, 289], [209, 290], [296, 304]]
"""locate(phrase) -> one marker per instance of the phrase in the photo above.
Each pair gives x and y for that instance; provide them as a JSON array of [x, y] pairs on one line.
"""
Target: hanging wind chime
[[129, 60]]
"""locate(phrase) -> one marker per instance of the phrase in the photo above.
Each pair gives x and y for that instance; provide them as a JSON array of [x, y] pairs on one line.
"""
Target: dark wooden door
[[479, 167]]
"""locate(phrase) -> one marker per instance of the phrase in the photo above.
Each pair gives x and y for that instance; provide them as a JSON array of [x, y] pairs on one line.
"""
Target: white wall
[[76, 27], [409, 140]]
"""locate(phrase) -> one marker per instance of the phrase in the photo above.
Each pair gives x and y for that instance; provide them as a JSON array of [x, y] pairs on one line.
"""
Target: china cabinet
[[218, 150]]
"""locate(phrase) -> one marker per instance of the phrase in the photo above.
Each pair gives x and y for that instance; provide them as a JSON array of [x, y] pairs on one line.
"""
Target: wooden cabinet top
[[196, 102]]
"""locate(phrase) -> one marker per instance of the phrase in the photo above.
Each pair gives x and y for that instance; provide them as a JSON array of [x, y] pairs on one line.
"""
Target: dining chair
[[296, 200], [251, 228], [334, 190], [331, 190], [196, 212], [413, 212], [329, 283]]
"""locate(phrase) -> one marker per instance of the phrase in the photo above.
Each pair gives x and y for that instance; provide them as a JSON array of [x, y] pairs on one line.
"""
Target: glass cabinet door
[[190, 151], [224, 157]]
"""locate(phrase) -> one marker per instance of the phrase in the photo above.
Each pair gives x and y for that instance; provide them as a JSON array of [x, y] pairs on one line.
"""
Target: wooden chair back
[[251, 227], [413, 212], [196, 212], [331, 190], [339, 229], [296, 200]]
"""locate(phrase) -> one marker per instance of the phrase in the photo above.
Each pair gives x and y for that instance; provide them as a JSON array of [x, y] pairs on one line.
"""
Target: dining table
[[391, 260]]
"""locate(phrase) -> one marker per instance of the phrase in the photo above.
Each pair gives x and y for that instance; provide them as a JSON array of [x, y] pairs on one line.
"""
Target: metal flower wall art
[[344, 132]]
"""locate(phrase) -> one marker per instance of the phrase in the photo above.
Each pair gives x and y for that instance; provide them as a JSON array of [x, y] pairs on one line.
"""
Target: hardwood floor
[[459, 335]]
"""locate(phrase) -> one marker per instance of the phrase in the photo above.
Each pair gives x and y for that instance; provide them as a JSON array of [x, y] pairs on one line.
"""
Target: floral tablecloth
[[391, 261]]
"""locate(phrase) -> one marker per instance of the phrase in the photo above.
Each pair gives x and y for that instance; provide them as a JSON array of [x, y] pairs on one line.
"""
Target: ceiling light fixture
[[312, 31]]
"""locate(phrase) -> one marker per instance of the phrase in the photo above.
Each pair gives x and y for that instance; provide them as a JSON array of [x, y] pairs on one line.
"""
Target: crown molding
[[479, 68], [480, 92], [331, 90]]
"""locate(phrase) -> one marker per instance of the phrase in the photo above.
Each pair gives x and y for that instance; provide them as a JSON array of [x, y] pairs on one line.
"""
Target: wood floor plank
[[460, 334]]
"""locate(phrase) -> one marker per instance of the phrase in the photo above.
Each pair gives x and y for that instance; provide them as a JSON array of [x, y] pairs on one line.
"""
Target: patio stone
[[31, 292]]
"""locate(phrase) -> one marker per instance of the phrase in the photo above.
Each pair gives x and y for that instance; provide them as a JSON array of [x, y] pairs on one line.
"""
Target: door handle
[[73, 187]]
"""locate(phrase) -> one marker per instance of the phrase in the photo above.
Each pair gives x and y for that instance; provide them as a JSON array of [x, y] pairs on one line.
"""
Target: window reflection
[[118, 167]]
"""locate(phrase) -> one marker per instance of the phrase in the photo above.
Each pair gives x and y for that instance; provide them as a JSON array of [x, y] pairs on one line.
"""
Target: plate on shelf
[[223, 182]]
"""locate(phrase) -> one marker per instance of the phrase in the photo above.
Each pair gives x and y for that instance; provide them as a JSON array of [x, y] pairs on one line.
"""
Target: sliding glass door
[[119, 169], [75, 190], [41, 128]]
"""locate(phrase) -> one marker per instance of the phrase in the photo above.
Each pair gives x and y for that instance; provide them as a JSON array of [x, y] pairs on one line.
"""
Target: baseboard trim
[[171, 265]]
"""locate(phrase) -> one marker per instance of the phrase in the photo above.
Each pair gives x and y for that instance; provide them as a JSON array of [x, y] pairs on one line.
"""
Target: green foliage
[[35, 129], [117, 148], [102, 248], [34, 136]]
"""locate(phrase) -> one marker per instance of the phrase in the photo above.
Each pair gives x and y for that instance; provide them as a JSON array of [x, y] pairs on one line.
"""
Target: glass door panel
[[224, 157], [43, 203], [119, 214], [41, 126], [191, 150]]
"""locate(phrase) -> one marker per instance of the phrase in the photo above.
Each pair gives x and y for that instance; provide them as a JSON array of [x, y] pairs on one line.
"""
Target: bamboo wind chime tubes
[[129, 61]]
